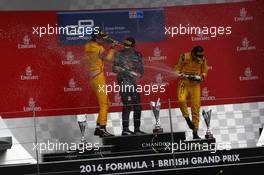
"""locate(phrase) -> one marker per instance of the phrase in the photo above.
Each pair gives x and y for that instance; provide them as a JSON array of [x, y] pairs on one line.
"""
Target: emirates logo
[[157, 55], [248, 75], [245, 42], [70, 59], [245, 45], [156, 52], [31, 105], [70, 56], [243, 16], [29, 74], [28, 71], [31, 102], [72, 86], [159, 78], [26, 43], [26, 40], [243, 13], [205, 95], [205, 92], [72, 83], [248, 72]]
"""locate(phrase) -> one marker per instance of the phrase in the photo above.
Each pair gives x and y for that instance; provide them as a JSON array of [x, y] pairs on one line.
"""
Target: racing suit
[[189, 66], [129, 60], [95, 53]]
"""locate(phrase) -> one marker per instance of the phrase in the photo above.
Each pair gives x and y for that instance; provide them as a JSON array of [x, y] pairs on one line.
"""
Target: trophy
[[207, 119], [261, 138], [82, 124], [155, 107]]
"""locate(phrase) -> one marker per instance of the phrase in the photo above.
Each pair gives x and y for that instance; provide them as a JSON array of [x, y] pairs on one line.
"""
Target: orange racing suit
[[190, 66], [95, 53]]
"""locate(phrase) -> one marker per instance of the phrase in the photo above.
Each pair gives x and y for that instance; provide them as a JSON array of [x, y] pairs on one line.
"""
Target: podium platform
[[151, 159], [144, 144]]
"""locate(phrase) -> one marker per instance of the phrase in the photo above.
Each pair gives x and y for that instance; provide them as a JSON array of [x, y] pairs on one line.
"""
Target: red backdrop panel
[[41, 77]]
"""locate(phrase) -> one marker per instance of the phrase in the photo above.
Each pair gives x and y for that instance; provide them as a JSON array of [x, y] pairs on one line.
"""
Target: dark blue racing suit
[[129, 61]]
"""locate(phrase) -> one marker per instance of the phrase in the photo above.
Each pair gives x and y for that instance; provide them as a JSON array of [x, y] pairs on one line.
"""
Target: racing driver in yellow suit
[[95, 58], [191, 68]]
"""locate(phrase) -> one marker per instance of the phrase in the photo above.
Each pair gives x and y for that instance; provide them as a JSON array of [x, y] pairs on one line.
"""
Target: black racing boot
[[104, 133], [137, 131], [126, 132], [189, 122], [195, 135], [97, 130]]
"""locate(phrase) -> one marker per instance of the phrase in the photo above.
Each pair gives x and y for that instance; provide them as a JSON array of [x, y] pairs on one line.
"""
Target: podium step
[[143, 142], [77, 154], [119, 146], [5, 143]]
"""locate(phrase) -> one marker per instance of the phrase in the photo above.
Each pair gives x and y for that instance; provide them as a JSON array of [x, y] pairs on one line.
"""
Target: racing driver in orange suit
[[95, 58], [191, 68]]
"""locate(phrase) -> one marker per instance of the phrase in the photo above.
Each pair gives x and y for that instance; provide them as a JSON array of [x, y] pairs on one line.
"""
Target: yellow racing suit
[[189, 66], [95, 53]]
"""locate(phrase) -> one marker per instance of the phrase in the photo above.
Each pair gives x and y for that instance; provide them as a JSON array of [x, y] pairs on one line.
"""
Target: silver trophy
[[82, 124], [155, 107], [207, 119]]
